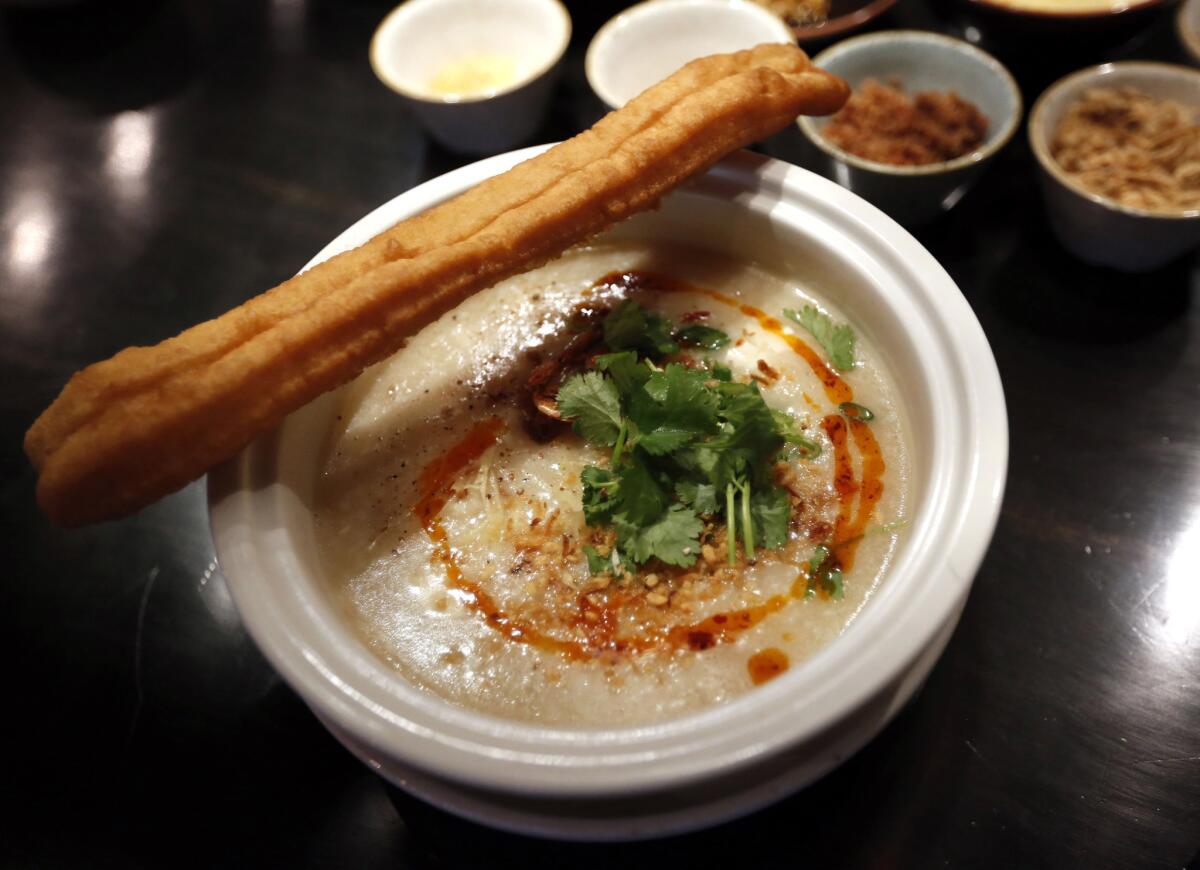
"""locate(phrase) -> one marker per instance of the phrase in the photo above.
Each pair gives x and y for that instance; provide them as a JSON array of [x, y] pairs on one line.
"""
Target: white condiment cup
[[1098, 230], [689, 771], [920, 61], [649, 41], [418, 38]]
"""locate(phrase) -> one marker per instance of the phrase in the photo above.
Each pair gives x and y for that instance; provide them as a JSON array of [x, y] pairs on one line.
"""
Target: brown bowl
[[845, 16], [1187, 28]]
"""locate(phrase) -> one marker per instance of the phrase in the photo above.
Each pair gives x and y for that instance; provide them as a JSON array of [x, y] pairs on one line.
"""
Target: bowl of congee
[[645, 538]]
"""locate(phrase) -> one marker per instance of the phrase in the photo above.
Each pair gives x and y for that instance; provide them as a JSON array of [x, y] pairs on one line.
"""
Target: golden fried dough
[[126, 431]]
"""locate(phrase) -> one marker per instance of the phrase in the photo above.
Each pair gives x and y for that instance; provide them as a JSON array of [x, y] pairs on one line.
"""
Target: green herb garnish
[[687, 444], [824, 573], [699, 335], [838, 340], [632, 327], [802, 447], [855, 411], [718, 372], [592, 401], [597, 564]]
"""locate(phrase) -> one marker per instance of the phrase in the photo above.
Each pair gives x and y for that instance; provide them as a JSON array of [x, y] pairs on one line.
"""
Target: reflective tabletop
[[161, 162]]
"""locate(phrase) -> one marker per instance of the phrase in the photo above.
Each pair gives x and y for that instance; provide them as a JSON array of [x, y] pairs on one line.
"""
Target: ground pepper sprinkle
[[881, 123]]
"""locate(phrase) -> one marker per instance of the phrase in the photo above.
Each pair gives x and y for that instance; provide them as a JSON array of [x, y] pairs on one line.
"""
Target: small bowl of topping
[[649, 41], [1119, 149], [905, 141], [818, 20], [478, 76]]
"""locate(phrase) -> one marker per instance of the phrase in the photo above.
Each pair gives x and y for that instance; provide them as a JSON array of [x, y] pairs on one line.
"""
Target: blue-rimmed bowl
[[1096, 229], [920, 61]]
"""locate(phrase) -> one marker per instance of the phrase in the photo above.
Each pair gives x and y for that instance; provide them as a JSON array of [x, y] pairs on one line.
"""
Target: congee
[[634, 483]]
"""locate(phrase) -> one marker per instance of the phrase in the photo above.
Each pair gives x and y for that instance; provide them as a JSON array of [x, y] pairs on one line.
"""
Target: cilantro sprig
[[836, 339], [688, 444]]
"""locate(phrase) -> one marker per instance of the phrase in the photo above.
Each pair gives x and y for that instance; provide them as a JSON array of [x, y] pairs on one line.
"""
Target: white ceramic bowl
[[1098, 230], [613, 783], [647, 42], [419, 37], [922, 61]]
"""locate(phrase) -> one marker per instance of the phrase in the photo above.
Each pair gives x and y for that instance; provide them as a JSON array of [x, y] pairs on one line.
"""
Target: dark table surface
[[163, 161]]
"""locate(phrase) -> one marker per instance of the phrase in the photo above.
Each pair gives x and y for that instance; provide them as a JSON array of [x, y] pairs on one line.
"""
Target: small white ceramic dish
[[1098, 230], [920, 61], [418, 38], [647, 42], [695, 770], [1187, 27]]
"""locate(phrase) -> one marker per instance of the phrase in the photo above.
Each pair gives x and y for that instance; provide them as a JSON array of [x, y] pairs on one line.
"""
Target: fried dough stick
[[138, 367], [129, 430]]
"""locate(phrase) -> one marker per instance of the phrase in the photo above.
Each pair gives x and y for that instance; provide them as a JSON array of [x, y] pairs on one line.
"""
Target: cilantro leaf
[[625, 370], [750, 424], [785, 425], [700, 497], [640, 498], [632, 327], [664, 440], [718, 372], [675, 398], [838, 340], [597, 564], [699, 335], [771, 509], [599, 495], [592, 402], [817, 560], [673, 538], [704, 462]]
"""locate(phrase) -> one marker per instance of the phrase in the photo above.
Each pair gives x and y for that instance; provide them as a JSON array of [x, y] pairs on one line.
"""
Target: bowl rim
[[606, 34], [831, 27], [1039, 139], [394, 19], [1083, 14], [965, 491], [1008, 129]]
